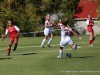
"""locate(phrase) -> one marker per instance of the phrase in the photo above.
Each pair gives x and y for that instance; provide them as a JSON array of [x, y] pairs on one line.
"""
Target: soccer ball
[[68, 55]]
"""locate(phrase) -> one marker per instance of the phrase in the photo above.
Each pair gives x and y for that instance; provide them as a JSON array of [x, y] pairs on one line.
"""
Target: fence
[[56, 32]]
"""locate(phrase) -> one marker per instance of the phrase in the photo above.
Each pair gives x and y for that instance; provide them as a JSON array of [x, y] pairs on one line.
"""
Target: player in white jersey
[[60, 22], [65, 38], [47, 31]]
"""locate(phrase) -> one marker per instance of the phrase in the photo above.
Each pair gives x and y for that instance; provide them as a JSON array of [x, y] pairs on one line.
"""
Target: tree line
[[28, 15]]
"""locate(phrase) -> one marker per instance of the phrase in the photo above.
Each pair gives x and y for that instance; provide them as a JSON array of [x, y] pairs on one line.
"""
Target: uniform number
[[66, 32]]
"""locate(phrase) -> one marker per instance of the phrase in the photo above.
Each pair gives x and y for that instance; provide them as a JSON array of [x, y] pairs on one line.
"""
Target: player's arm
[[50, 24], [5, 35], [18, 30], [87, 22], [76, 34], [56, 25], [46, 24]]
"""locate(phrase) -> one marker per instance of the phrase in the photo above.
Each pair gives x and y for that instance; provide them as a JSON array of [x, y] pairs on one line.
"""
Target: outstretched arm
[[80, 38], [56, 25], [6, 33], [4, 37]]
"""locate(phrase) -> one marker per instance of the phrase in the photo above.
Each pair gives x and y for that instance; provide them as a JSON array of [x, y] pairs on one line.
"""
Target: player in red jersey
[[90, 24], [13, 32]]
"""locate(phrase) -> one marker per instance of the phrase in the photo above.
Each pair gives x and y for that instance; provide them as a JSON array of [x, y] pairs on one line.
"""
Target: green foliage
[[31, 59], [27, 14]]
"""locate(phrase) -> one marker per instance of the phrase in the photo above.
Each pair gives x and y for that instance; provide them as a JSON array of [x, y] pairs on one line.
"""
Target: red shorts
[[14, 38], [89, 29]]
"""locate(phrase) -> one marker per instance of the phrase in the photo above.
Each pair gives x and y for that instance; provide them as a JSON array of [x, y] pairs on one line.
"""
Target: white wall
[[82, 23]]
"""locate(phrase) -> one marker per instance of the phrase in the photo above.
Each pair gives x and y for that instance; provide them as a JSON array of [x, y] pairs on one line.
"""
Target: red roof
[[85, 7]]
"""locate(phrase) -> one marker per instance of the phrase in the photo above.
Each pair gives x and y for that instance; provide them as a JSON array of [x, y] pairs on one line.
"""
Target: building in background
[[83, 9]]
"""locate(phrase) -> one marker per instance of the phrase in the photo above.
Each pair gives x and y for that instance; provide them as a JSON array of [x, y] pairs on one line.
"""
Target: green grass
[[31, 59]]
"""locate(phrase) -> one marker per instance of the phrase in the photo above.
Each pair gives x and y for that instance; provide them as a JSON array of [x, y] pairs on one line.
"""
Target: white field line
[[41, 51], [34, 46], [38, 52], [30, 46]]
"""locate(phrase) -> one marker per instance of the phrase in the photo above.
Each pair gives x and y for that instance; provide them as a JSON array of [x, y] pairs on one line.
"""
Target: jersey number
[[66, 32]]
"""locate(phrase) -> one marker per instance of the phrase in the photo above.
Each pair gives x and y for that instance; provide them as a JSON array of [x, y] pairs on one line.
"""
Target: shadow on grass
[[84, 57], [4, 58], [28, 53]]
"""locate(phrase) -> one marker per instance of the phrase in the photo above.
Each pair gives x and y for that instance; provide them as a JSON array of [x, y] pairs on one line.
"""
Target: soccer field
[[31, 59]]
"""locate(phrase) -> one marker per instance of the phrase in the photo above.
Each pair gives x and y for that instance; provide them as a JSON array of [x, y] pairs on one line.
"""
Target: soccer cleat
[[91, 45], [14, 49], [58, 57], [48, 45], [8, 55], [42, 46], [75, 47]]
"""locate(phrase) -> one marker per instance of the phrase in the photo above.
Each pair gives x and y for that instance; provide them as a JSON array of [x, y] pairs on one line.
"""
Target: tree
[[27, 14]]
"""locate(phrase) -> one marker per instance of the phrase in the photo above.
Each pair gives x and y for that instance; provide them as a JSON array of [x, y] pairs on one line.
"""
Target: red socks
[[90, 42], [9, 49]]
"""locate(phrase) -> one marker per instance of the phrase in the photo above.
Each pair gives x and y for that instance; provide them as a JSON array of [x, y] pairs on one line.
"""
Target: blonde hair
[[47, 16]]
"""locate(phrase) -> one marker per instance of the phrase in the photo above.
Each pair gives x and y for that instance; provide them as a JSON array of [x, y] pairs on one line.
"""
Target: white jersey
[[65, 31], [59, 24], [47, 30], [48, 24], [65, 38]]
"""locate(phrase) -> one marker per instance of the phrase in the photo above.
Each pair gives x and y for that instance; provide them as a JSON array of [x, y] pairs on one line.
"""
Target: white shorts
[[65, 41], [47, 31]]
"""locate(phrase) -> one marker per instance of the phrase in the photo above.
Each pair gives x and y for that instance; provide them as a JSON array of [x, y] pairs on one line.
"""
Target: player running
[[90, 24], [47, 31], [13, 32], [65, 38]]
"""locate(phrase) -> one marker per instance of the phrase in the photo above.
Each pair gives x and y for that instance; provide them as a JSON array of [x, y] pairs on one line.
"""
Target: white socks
[[49, 41], [43, 42], [60, 53]]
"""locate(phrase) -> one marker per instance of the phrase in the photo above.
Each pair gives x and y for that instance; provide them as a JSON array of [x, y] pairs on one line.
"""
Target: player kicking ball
[[65, 38], [13, 32]]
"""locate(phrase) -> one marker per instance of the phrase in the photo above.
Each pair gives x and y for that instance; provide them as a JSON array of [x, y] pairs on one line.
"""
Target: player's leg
[[94, 35], [15, 43], [45, 37], [9, 46], [72, 45], [51, 37], [62, 45], [91, 39], [44, 40], [60, 52]]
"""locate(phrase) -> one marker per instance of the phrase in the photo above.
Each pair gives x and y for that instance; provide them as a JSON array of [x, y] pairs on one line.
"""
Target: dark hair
[[11, 20], [65, 22]]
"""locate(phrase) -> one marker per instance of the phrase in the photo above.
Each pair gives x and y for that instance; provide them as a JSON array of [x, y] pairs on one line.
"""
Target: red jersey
[[90, 25], [12, 31]]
